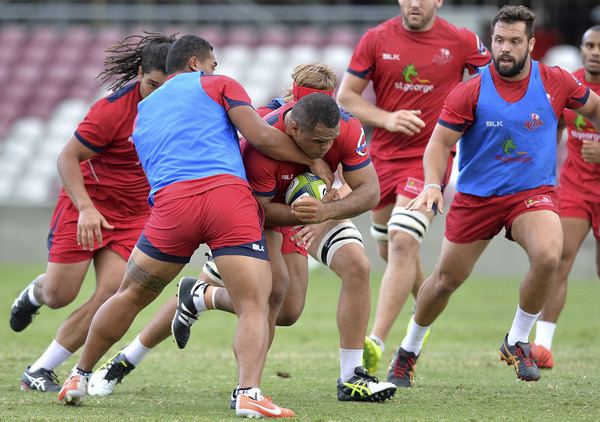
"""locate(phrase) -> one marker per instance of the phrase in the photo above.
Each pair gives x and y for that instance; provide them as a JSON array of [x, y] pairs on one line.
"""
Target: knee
[[289, 315], [546, 262], [355, 271], [56, 297], [445, 283], [279, 292], [403, 245]]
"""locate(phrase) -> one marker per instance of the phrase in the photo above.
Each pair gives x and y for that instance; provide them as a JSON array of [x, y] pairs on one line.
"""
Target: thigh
[[66, 278], [539, 233], [458, 259], [247, 279], [110, 269], [575, 231], [146, 277], [279, 270]]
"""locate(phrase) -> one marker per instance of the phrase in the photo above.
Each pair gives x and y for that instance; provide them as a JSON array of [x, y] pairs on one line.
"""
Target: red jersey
[[414, 71], [114, 178], [579, 175], [562, 89], [270, 178]]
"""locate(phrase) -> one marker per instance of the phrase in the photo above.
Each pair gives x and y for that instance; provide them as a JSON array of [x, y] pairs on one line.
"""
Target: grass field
[[459, 376]]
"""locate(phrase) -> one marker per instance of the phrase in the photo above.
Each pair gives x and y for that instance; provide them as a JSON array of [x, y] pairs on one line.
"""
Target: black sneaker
[[364, 387], [519, 356], [186, 313], [22, 311], [103, 381], [401, 371], [40, 380]]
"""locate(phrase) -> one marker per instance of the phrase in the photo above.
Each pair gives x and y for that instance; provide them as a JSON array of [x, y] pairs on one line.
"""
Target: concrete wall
[[23, 232]]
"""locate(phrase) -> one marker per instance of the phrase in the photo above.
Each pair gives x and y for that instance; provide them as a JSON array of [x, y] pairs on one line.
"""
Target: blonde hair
[[315, 76]]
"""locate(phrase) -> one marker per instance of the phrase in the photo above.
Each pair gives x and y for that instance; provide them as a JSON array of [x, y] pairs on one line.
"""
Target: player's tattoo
[[145, 279]]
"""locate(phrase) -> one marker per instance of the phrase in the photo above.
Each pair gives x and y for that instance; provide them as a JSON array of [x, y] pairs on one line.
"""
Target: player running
[[414, 60], [507, 119]]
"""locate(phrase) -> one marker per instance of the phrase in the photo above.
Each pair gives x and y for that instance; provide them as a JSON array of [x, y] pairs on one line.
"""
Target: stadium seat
[[48, 74], [565, 56], [308, 35], [242, 35], [275, 35]]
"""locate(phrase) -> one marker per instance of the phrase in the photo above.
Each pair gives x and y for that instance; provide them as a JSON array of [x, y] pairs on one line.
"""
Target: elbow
[[343, 98], [374, 198], [263, 139]]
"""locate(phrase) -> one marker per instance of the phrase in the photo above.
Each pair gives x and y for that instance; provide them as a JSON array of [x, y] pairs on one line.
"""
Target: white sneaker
[[74, 389], [104, 380]]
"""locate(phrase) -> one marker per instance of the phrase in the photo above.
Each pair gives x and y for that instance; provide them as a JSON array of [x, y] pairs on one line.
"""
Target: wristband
[[432, 185]]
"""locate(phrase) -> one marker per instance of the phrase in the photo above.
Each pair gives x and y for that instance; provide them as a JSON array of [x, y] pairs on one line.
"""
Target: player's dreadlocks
[[125, 58]]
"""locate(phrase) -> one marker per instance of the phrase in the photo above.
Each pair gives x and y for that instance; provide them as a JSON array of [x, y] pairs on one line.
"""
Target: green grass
[[459, 376]]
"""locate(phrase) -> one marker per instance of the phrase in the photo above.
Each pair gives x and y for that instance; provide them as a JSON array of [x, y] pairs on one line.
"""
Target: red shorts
[[473, 218], [62, 238], [573, 204], [227, 218], [288, 245], [403, 176]]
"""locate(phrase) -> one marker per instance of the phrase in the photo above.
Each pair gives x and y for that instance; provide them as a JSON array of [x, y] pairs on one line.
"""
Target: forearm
[[279, 215], [277, 145], [435, 161], [72, 179], [367, 112], [361, 199]]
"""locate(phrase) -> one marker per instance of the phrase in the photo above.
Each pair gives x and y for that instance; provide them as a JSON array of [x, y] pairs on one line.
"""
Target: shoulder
[[128, 90], [555, 73], [218, 80]]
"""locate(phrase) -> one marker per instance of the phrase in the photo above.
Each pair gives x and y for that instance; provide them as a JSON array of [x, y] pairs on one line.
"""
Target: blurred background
[[52, 51]]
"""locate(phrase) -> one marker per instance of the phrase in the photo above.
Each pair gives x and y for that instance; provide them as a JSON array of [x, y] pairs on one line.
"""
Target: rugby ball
[[305, 184]]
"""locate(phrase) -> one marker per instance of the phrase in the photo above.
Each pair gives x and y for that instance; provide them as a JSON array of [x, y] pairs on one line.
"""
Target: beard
[[593, 72], [516, 68]]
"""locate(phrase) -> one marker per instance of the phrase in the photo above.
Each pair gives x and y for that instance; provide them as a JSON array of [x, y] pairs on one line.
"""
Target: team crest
[[361, 146], [534, 122], [443, 57]]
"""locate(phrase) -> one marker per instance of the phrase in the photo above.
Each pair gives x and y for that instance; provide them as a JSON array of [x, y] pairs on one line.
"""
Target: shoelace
[[52, 375], [369, 378], [528, 361], [400, 369]]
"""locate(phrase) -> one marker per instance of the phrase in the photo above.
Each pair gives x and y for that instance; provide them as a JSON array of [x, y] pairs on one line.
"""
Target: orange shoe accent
[[543, 357], [247, 407], [73, 392]]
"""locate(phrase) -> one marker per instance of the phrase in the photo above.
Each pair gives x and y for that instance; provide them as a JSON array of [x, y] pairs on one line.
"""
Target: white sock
[[349, 359], [413, 341], [253, 392], [378, 341], [30, 293], [544, 333], [198, 296], [521, 327], [136, 351], [54, 355]]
